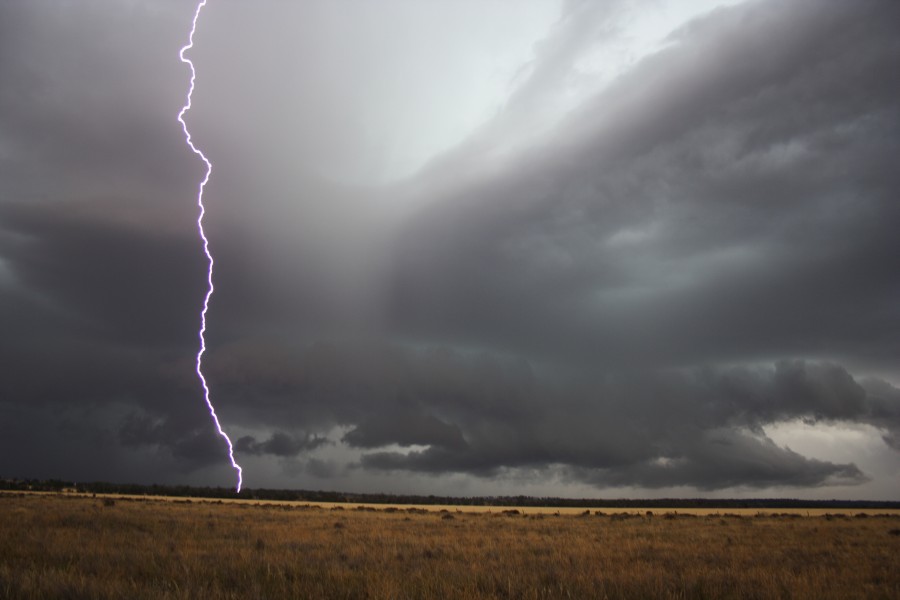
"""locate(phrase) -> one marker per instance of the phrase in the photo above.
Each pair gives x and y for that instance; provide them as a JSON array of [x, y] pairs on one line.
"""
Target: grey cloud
[[202, 448], [653, 431], [406, 429], [884, 402], [483, 415], [695, 211], [539, 90], [187, 438], [74, 118], [727, 458], [581, 24], [279, 444], [704, 248], [118, 282], [892, 439], [825, 391], [318, 468]]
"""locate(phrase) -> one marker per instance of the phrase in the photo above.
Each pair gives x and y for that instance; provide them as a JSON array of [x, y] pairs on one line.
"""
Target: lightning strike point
[[209, 257]]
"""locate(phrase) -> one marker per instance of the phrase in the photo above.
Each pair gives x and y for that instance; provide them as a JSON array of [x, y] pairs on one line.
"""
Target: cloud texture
[[616, 286]]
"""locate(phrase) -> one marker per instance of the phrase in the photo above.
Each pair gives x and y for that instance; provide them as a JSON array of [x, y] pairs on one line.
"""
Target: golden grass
[[54, 546], [525, 510]]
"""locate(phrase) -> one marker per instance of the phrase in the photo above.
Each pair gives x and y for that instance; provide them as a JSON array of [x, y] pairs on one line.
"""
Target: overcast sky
[[553, 247]]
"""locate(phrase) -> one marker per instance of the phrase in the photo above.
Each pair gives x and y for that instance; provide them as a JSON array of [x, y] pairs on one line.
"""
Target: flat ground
[[59, 546]]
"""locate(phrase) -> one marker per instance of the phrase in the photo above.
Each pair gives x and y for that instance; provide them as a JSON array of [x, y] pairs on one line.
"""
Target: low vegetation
[[325, 496], [65, 546]]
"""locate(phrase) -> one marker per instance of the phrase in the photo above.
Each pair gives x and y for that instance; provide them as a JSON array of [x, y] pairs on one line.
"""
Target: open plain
[[69, 546]]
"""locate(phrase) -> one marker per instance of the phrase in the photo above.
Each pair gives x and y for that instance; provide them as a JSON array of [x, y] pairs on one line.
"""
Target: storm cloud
[[626, 267]]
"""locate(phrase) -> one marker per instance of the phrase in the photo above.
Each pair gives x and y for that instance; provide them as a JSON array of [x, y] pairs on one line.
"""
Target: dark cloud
[[630, 294], [280, 444], [195, 445], [705, 212], [722, 459], [405, 429], [484, 415], [114, 282]]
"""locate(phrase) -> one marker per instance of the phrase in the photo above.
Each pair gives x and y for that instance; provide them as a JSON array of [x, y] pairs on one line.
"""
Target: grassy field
[[58, 546]]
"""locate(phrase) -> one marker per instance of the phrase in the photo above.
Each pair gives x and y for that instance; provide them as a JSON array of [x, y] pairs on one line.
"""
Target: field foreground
[[57, 546]]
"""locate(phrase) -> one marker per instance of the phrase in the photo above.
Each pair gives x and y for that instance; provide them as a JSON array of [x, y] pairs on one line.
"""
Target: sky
[[552, 248]]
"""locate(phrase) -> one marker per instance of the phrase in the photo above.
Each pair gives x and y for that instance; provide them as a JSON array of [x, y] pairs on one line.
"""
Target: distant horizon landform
[[288, 495]]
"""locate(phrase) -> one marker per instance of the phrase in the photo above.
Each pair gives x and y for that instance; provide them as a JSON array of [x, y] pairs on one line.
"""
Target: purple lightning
[[209, 258]]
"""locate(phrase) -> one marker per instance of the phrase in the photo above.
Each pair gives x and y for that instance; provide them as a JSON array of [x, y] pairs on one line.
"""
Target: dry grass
[[475, 508], [76, 547]]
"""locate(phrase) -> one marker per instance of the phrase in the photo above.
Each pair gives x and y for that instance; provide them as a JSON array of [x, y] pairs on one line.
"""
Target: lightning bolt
[[209, 257]]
